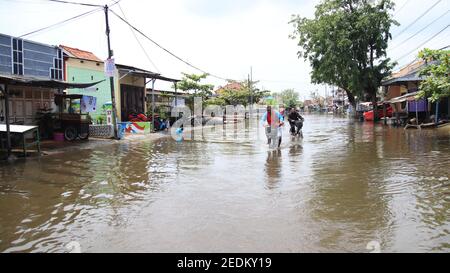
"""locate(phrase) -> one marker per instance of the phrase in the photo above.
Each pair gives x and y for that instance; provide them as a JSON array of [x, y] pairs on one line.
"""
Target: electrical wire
[[418, 18], [415, 34], [74, 3], [434, 36], [62, 22], [166, 50], [139, 42], [401, 8], [99, 7]]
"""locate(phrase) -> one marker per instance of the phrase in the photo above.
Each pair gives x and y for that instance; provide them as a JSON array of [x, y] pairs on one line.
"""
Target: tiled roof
[[80, 54], [231, 86]]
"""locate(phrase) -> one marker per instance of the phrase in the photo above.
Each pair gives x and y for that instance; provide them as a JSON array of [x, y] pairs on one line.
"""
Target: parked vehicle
[[160, 124], [368, 116]]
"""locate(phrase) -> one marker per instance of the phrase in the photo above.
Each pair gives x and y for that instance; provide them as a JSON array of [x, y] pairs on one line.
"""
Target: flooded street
[[345, 184]]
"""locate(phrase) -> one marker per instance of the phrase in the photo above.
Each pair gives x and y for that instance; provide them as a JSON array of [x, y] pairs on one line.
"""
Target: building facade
[[23, 59], [84, 66]]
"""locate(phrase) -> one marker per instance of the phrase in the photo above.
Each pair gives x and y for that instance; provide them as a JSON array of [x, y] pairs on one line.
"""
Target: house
[[130, 83], [84, 66], [401, 89], [233, 86], [133, 90], [31, 75]]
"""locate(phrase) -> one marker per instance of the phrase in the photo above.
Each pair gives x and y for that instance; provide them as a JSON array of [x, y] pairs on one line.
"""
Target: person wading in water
[[273, 121]]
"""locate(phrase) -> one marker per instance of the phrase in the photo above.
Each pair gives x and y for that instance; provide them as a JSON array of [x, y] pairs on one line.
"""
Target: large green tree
[[437, 74], [346, 44]]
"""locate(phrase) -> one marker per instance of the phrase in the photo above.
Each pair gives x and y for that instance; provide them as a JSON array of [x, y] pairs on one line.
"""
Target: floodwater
[[344, 185]]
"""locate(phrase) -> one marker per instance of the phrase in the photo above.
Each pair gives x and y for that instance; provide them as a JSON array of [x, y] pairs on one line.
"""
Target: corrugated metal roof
[[412, 77]]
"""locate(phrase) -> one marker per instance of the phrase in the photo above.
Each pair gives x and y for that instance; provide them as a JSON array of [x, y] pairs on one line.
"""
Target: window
[[17, 46], [57, 71]]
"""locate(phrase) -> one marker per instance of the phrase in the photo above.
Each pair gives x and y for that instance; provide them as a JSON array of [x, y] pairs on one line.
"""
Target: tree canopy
[[437, 74], [192, 83], [288, 97], [240, 96], [346, 44]]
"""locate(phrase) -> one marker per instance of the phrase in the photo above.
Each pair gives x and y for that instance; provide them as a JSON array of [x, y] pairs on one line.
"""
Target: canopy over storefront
[[126, 69], [407, 97], [36, 82]]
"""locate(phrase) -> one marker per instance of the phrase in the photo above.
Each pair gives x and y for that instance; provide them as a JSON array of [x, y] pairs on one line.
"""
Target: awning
[[126, 69], [30, 81], [407, 97]]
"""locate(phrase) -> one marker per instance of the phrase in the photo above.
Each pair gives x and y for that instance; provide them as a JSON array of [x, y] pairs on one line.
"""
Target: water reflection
[[273, 166]]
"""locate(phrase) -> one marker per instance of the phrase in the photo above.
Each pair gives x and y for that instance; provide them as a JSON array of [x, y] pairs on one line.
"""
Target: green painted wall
[[79, 75]]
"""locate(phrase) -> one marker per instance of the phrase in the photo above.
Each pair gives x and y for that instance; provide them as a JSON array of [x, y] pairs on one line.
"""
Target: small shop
[[46, 123]]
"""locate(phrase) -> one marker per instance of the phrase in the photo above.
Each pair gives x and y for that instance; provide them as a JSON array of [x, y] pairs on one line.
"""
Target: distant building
[[234, 86]]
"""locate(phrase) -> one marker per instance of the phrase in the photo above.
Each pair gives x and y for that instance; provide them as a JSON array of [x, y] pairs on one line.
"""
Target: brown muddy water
[[345, 184]]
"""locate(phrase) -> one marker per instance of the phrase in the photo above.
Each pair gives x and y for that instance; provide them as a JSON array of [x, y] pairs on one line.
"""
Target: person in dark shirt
[[296, 122]]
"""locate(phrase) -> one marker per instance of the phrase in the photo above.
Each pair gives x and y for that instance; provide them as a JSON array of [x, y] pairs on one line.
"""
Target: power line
[[166, 50], [70, 19], [434, 36], [400, 9], [418, 18], [139, 42], [74, 3], [412, 36], [62, 22], [416, 59]]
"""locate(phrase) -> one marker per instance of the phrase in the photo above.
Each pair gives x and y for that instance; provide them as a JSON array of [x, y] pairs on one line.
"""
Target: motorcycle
[[296, 128], [160, 124]]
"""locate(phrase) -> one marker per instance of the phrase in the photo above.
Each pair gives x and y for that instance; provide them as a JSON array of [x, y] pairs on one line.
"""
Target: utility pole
[[111, 79]]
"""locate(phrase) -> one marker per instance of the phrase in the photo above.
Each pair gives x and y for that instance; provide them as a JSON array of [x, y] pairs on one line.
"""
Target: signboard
[[110, 68]]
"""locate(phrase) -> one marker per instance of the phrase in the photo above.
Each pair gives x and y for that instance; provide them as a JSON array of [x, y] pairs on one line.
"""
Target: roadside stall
[[8, 136], [73, 116]]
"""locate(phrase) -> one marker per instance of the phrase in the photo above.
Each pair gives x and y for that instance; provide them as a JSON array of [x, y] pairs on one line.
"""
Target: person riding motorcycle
[[296, 122]]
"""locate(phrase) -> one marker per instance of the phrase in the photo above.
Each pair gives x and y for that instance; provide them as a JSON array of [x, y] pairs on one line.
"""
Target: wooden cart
[[70, 118]]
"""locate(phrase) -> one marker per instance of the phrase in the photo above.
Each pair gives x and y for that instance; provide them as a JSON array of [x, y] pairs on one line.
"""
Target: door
[[132, 100]]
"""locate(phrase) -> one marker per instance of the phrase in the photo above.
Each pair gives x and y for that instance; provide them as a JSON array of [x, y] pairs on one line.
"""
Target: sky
[[224, 38]]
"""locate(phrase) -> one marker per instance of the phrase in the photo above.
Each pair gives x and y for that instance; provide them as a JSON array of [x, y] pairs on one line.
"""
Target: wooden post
[[176, 95], [437, 112], [8, 129], [153, 104], [417, 113]]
